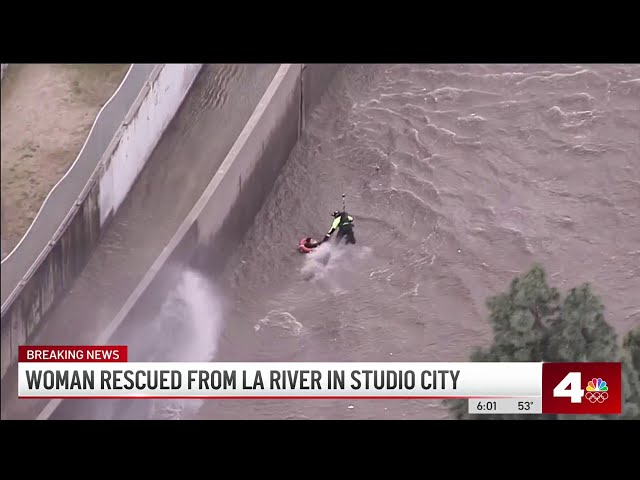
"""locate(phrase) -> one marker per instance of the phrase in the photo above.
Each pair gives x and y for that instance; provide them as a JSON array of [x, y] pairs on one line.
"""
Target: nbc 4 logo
[[571, 387], [582, 388], [597, 390]]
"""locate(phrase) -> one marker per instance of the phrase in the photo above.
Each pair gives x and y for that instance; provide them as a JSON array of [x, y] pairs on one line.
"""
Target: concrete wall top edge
[[140, 128], [65, 196]]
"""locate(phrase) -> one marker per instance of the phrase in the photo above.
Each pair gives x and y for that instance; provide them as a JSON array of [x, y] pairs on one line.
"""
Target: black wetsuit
[[344, 225]]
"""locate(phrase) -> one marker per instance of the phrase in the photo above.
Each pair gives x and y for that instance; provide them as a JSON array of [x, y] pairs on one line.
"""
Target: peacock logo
[[597, 390]]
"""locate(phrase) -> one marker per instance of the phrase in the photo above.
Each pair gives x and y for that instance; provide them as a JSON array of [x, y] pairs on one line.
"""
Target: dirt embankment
[[47, 112]]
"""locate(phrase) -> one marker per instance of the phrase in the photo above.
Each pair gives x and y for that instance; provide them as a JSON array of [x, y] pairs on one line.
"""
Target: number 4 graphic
[[573, 380]]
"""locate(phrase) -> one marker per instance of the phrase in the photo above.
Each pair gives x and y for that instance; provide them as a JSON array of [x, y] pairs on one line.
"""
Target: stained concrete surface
[[47, 113], [186, 158]]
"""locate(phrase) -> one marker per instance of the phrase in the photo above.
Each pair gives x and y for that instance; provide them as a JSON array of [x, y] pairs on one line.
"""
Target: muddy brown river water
[[459, 177]]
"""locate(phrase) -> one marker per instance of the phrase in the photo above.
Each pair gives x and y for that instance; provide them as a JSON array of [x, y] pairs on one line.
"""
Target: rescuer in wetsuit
[[343, 222]]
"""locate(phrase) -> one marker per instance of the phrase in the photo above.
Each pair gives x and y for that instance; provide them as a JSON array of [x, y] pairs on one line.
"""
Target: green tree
[[520, 320], [531, 323], [631, 374], [631, 345]]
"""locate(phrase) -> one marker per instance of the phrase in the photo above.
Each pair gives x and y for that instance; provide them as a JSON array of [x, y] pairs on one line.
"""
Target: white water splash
[[283, 321], [188, 329], [330, 260]]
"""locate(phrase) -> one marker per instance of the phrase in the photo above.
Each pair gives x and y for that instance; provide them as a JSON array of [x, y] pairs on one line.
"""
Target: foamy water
[[188, 329]]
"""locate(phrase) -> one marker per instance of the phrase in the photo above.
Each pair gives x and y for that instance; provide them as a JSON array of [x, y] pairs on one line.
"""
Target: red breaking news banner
[[582, 388], [66, 353]]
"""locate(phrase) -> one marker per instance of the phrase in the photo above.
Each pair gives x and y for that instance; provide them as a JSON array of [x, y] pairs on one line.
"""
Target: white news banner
[[301, 380], [506, 406]]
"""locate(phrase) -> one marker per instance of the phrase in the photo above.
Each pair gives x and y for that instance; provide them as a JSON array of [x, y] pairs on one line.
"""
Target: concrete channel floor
[[188, 155]]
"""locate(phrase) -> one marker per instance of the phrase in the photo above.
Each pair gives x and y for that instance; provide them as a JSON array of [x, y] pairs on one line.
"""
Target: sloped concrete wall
[[234, 196], [62, 237]]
